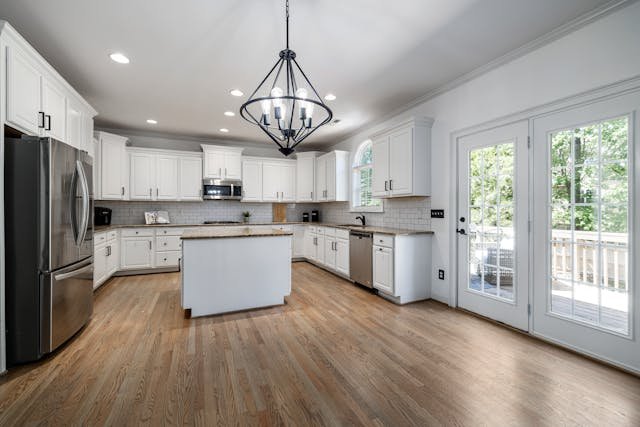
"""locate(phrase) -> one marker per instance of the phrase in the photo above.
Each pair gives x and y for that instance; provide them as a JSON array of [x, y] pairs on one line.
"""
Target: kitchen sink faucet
[[362, 219]]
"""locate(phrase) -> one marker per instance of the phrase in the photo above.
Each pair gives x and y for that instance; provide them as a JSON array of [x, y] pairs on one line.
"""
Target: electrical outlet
[[441, 274]]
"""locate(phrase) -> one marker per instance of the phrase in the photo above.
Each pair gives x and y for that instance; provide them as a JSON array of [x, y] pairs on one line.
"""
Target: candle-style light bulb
[[266, 111]]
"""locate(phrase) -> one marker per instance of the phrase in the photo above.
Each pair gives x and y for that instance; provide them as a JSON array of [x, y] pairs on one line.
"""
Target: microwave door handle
[[85, 203]]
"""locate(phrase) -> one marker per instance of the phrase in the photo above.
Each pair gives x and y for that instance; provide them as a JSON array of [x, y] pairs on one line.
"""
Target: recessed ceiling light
[[152, 122], [236, 92], [119, 58], [229, 113], [330, 97], [224, 130]]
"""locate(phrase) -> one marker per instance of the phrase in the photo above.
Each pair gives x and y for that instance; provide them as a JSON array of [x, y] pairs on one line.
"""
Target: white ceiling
[[376, 56]]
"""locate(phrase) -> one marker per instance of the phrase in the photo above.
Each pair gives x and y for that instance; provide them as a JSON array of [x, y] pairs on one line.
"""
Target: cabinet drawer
[[168, 243], [137, 232], [342, 234], [312, 229], [112, 235], [329, 231], [169, 231], [286, 228], [99, 238], [385, 240], [168, 259]]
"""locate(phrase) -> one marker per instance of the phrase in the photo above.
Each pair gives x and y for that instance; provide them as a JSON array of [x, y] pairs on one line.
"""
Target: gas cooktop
[[222, 222]]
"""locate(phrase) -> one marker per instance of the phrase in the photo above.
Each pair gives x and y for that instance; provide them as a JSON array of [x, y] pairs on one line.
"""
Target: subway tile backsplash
[[409, 213]]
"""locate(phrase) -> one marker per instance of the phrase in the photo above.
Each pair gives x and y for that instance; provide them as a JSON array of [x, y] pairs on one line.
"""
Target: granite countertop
[[227, 232], [370, 229]]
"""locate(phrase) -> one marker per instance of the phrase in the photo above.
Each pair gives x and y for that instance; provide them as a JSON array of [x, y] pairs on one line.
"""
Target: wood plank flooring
[[334, 355]]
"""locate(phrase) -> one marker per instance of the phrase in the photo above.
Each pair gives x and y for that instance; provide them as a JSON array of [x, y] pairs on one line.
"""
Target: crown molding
[[561, 31]]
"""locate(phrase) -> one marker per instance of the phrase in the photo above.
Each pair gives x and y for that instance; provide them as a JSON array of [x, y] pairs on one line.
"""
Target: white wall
[[601, 53]]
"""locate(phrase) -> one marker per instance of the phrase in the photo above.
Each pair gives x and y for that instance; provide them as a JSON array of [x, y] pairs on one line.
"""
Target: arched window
[[361, 200]]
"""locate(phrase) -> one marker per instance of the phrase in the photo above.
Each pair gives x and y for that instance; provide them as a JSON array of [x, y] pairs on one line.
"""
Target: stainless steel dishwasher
[[360, 257]]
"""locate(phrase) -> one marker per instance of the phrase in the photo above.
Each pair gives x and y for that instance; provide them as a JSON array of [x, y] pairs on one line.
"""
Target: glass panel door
[[589, 224], [585, 231], [493, 224]]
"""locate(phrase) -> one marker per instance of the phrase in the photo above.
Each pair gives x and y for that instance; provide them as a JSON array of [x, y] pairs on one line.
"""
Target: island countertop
[[230, 232]]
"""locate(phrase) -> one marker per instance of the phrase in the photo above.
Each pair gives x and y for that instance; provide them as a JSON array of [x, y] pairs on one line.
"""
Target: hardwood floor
[[334, 355]]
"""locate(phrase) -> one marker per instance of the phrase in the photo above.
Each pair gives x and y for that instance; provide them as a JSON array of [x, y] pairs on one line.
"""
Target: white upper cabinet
[[164, 175], [401, 160], [54, 105], [222, 162], [37, 97], [111, 167], [167, 177], [142, 178], [75, 126], [306, 176], [332, 177], [24, 88], [268, 180], [252, 181], [191, 177]]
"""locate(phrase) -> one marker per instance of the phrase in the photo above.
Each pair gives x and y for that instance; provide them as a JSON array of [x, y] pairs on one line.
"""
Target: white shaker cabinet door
[[54, 105], [380, 179], [252, 181], [232, 166], [383, 269], [190, 178], [24, 101], [142, 176], [166, 177], [401, 162], [342, 256], [137, 253]]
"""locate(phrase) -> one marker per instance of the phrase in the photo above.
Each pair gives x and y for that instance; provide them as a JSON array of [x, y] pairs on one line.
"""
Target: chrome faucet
[[362, 219]]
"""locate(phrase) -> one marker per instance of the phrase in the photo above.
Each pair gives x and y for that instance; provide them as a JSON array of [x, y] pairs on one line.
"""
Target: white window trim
[[354, 172]]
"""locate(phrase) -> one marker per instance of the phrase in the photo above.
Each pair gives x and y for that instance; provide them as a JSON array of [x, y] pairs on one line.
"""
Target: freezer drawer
[[67, 303]]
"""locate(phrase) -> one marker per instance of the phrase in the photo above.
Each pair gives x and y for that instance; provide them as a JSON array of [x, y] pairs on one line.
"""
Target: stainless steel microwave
[[221, 189]]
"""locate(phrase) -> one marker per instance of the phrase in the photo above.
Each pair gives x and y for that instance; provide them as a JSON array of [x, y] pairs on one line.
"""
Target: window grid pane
[[589, 219]]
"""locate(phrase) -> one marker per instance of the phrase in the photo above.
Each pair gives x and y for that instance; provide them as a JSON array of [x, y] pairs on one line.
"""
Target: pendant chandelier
[[285, 105]]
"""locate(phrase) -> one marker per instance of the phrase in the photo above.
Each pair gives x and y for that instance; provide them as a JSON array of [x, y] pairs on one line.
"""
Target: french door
[[492, 226], [586, 223]]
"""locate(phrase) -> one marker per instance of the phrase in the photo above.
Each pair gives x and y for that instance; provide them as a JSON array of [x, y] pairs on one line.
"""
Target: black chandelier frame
[[287, 138]]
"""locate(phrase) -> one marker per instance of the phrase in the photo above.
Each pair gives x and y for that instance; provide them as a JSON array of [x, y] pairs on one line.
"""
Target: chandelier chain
[[287, 8]]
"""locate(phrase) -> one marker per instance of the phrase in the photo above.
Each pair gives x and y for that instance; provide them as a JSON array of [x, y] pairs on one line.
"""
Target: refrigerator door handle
[[64, 276], [85, 203]]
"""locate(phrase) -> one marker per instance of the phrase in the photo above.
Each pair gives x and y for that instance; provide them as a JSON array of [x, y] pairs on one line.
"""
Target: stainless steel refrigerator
[[49, 245]]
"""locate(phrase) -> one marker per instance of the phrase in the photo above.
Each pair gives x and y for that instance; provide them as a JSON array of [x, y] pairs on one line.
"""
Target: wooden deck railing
[[585, 265]]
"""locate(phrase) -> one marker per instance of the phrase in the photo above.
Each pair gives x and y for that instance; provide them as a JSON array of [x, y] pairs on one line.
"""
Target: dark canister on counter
[[315, 216], [305, 216]]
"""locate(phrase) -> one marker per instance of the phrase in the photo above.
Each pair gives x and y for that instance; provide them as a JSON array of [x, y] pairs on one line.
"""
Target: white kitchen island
[[227, 269]]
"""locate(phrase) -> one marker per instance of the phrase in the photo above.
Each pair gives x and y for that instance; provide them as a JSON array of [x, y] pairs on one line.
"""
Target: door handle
[[311, 194], [385, 186], [82, 232], [149, 244], [74, 273], [390, 184], [225, 171], [48, 125], [40, 119], [123, 190], [220, 171], [157, 195], [461, 231]]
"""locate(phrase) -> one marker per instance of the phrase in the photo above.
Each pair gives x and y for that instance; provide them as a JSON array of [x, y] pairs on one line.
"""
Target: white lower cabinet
[[106, 256], [342, 256], [137, 249], [328, 247], [383, 269]]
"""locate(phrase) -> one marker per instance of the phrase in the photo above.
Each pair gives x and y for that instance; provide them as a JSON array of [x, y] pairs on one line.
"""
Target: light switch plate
[[437, 213]]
